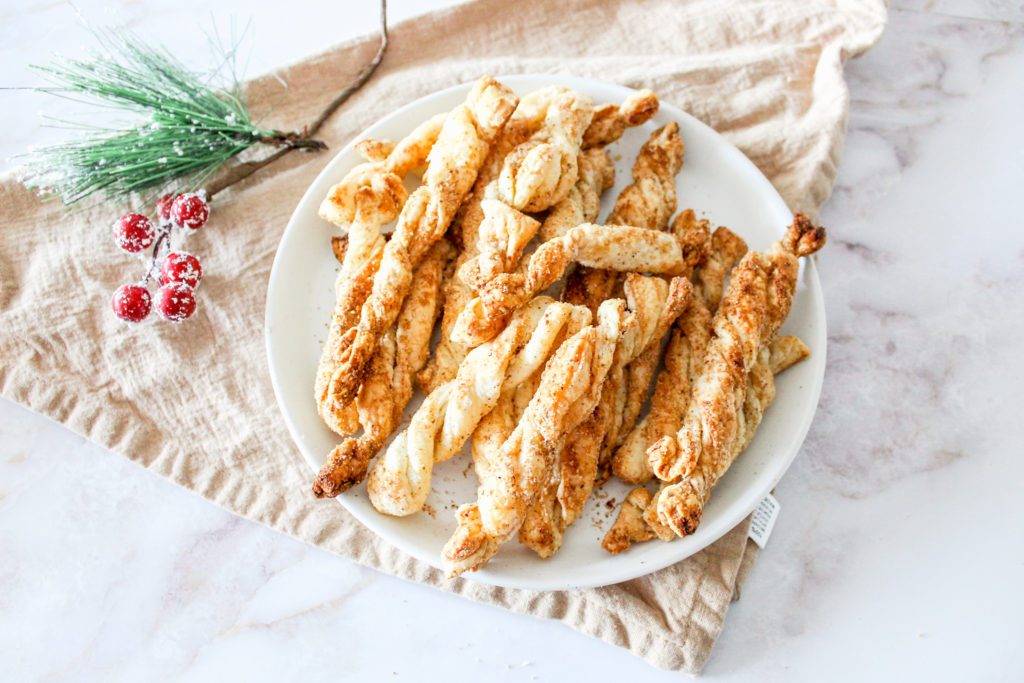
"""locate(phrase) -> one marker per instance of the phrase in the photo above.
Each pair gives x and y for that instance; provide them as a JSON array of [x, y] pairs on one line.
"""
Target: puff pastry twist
[[540, 172]]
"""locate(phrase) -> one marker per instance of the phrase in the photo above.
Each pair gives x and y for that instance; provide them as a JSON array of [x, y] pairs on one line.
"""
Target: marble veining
[[900, 543]]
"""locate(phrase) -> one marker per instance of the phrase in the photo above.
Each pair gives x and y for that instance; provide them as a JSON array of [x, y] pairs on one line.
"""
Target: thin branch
[[303, 140]]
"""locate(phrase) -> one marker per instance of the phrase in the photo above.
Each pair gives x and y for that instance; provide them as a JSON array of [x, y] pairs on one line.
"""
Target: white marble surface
[[900, 547]]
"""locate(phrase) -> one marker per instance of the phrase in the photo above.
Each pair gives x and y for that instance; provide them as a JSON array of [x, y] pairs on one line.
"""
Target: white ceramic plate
[[717, 181]]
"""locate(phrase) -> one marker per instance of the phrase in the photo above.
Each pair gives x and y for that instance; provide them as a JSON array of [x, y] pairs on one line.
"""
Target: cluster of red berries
[[178, 272]]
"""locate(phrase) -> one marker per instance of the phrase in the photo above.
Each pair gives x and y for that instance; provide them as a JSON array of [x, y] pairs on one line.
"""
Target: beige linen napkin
[[194, 402]]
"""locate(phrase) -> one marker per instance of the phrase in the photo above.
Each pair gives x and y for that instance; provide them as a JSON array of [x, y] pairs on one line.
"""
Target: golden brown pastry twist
[[611, 121], [375, 205]]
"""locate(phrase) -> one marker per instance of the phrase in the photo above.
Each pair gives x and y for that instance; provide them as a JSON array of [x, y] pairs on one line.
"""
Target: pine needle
[[186, 127]]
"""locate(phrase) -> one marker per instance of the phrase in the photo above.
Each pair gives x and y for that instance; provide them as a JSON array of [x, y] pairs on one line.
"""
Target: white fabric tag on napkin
[[765, 514]]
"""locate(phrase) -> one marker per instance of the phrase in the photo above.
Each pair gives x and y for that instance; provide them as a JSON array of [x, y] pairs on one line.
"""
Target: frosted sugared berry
[[179, 266], [175, 301], [131, 303], [189, 211], [133, 232], [163, 206]]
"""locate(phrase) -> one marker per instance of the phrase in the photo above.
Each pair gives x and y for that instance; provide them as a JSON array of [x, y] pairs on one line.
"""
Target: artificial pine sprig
[[186, 127]]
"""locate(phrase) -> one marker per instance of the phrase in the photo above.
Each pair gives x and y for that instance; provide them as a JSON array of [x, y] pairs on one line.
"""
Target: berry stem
[[164, 237]]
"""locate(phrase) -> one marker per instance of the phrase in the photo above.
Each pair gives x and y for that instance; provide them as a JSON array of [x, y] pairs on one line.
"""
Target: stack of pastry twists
[[548, 393], [389, 380], [649, 202], [729, 395], [368, 198], [686, 362], [712, 257], [568, 391], [633, 524], [653, 305], [400, 481], [457, 155], [755, 305], [595, 174]]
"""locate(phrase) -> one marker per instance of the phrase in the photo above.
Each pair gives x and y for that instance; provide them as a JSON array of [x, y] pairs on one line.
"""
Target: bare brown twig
[[304, 139]]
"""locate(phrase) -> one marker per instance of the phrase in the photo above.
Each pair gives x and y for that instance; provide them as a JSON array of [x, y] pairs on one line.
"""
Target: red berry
[[133, 232], [190, 211], [175, 301], [179, 266], [131, 303], [163, 207]]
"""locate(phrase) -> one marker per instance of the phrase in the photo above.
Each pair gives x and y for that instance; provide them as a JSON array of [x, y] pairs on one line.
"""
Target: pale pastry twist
[[569, 388], [757, 301], [540, 172], [621, 248], [387, 387], [457, 155], [400, 481], [637, 520]]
